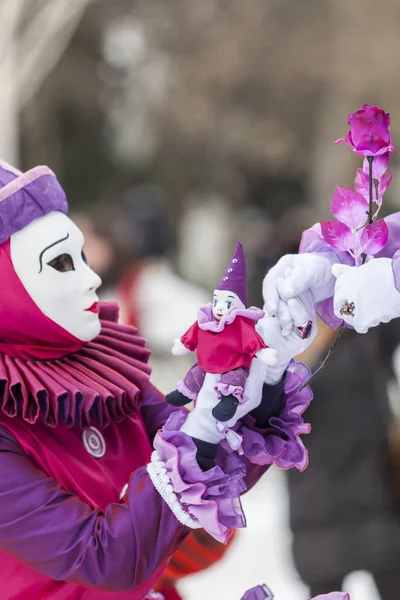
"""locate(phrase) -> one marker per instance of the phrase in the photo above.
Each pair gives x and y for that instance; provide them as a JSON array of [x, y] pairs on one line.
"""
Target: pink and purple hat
[[24, 197], [234, 279]]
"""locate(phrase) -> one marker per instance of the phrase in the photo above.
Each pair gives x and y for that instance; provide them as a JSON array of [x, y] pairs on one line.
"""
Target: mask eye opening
[[62, 263]]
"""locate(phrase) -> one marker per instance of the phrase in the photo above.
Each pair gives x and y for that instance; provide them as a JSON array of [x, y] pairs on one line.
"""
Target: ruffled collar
[[207, 322], [96, 385]]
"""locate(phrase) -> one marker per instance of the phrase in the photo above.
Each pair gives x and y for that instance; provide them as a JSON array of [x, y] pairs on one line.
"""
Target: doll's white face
[[224, 302], [48, 258]]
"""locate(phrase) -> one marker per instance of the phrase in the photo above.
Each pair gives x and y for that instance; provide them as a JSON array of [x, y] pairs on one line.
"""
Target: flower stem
[[364, 258], [371, 183], [327, 357]]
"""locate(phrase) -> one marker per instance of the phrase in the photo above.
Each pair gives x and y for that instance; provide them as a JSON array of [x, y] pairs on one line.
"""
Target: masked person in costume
[[100, 479]]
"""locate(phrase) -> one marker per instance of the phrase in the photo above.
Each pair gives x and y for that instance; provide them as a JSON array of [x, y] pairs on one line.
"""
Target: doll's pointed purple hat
[[235, 279], [24, 197]]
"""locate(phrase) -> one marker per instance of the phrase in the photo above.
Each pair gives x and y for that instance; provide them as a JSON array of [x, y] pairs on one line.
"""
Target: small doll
[[225, 341]]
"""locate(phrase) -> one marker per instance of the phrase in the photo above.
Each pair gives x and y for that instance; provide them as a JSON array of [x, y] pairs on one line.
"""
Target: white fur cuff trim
[[159, 477]]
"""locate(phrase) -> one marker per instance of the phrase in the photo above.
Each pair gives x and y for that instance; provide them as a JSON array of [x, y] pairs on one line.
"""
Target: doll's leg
[[231, 390], [187, 389]]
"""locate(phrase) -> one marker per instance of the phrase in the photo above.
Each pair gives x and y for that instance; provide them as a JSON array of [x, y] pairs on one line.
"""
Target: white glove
[[302, 310], [268, 356], [371, 288], [178, 348], [292, 275]]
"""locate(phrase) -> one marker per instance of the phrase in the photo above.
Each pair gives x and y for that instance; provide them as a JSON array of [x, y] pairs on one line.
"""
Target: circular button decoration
[[230, 270], [234, 260], [225, 278], [94, 442]]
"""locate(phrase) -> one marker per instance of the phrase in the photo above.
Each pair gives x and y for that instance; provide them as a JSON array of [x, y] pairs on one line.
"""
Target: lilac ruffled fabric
[[226, 389], [280, 443], [260, 592], [207, 322], [211, 497], [99, 384]]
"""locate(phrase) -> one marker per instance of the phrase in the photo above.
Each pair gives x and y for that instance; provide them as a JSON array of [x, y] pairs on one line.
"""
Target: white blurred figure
[[207, 232]]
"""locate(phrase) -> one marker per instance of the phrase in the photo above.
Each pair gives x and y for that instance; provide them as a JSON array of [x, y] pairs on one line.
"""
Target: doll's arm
[[179, 349], [187, 343], [189, 339]]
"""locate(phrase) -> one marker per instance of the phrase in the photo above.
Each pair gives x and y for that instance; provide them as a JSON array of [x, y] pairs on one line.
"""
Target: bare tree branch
[[43, 43], [10, 14]]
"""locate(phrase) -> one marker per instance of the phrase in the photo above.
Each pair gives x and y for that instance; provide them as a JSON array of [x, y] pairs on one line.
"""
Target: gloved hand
[[292, 275], [371, 288], [302, 310]]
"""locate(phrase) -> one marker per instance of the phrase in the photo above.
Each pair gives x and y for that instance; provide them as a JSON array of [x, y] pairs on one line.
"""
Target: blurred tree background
[[242, 98]]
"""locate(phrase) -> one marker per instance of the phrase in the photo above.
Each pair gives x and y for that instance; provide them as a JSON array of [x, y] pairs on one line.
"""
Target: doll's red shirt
[[218, 352]]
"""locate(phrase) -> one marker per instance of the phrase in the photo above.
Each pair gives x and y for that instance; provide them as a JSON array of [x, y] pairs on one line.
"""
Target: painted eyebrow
[[48, 248], [233, 297]]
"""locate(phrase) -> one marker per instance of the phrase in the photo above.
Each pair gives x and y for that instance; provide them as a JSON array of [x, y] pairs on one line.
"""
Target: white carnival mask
[[224, 302], [48, 258]]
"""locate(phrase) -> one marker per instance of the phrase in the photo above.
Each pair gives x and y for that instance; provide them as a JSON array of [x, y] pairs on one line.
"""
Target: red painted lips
[[95, 308]]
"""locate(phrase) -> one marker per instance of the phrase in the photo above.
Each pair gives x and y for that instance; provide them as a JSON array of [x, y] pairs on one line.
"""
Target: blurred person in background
[[344, 509]]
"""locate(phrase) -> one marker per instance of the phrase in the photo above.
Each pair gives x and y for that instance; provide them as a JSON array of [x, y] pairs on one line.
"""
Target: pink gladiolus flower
[[374, 237], [379, 165], [350, 233], [369, 133], [361, 185], [338, 235], [383, 186], [349, 207]]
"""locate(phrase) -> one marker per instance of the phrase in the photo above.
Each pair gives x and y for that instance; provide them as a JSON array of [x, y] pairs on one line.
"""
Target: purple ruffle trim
[[211, 497], [280, 443], [225, 389], [207, 322], [183, 389]]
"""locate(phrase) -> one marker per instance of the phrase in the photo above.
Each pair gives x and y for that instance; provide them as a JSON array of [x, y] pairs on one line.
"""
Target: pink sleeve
[[59, 535], [189, 339]]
